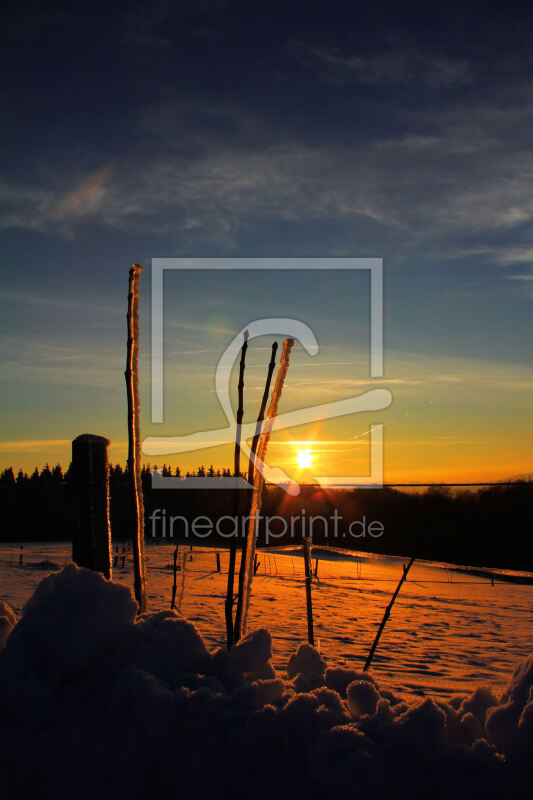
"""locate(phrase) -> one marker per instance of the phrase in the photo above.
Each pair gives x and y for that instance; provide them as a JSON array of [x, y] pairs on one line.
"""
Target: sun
[[304, 459]]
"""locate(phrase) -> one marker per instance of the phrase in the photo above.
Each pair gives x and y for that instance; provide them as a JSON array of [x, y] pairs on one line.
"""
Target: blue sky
[[271, 129]]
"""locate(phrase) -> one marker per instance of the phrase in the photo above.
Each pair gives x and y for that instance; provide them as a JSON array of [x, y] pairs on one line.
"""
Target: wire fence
[[54, 557]]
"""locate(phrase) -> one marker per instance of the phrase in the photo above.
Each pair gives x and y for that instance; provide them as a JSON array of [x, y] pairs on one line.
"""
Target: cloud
[[87, 197], [443, 180], [54, 302], [26, 207], [515, 255], [391, 67], [524, 282], [32, 444]]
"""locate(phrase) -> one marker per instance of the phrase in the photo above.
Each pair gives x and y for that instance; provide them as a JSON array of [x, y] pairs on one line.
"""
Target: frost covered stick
[[236, 496], [261, 415], [134, 437], [253, 451], [386, 615], [244, 596]]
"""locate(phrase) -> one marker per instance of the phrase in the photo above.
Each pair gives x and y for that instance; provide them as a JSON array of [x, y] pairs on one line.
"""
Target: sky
[[237, 129]]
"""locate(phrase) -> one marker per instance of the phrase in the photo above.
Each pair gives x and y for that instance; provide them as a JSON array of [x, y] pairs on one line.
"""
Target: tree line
[[492, 526]]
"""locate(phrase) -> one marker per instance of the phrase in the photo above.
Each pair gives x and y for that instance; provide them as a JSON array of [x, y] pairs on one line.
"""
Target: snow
[[362, 698], [448, 632], [95, 702], [7, 622], [307, 662]]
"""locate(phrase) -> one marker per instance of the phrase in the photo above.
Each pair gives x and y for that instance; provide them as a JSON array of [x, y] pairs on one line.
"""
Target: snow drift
[[95, 702]]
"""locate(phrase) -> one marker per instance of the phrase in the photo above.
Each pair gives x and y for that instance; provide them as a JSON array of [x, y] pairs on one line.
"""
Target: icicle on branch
[[244, 599], [134, 438]]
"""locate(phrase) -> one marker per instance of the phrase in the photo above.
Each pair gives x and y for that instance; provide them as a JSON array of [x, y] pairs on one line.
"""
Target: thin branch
[[228, 607], [244, 597], [261, 415], [253, 451], [386, 615]]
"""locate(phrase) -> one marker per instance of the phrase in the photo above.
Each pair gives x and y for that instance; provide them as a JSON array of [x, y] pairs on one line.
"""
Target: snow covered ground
[[448, 632], [96, 702]]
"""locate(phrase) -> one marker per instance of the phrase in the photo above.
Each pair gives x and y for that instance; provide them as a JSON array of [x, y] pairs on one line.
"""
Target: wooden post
[[91, 536], [309, 601], [316, 567], [386, 615], [21, 556], [218, 562]]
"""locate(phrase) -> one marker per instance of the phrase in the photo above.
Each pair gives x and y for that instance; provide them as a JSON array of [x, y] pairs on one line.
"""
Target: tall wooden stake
[[228, 608], [134, 438], [386, 615]]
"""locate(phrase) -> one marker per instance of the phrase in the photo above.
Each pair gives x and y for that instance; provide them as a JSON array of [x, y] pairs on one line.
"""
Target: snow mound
[[95, 702], [307, 667], [46, 565], [8, 621], [362, 697]]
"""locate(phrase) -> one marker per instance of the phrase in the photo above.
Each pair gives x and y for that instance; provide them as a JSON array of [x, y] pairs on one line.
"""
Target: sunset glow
[[304, 459], [266, 432]]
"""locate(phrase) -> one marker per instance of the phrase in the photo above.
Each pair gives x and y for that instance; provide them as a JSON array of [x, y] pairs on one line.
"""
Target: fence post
[[308, 577], [182, 587], [91, 537], [175, 584]]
